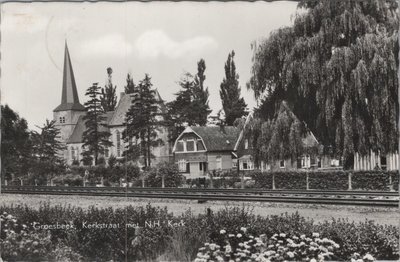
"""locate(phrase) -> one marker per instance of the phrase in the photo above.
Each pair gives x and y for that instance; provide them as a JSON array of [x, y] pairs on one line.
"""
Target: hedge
[[328, 180]]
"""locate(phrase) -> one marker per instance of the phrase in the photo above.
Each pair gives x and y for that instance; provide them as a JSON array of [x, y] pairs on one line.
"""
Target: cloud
[[111, 45], [156, 43]]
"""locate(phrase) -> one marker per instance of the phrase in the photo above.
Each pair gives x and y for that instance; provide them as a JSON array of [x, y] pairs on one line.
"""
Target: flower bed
[[21, 239]]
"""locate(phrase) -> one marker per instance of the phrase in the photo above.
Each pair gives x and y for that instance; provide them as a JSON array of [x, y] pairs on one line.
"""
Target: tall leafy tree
[[200, 95], [46, 150], [16, 146], [233, 105], [190, 107], [130, 85], [143, 120], [108, 93], [96, 136], [337, 65]]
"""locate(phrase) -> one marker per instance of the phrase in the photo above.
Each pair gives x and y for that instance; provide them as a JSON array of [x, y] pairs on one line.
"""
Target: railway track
[[332, 197]]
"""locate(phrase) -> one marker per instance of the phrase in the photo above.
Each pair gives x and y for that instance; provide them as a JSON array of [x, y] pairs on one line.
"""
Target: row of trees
[[148, 115], [29, 153], [337, 69]]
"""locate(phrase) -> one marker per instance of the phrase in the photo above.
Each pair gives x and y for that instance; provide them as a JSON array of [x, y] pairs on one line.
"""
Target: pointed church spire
[[69, 97]]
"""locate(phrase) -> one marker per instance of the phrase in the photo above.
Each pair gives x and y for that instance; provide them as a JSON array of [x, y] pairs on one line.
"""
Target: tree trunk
[[148, 147]]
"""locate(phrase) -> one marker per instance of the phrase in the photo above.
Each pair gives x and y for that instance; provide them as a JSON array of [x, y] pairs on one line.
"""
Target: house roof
[[77, 134], [217, 138], [69, 97]]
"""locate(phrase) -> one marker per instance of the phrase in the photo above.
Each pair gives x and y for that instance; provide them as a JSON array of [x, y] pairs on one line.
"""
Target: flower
[[239, 235], [290, 254], [231, 235], [282, 235], [222, 232], [315, 234], [368, 257], [243, 229]]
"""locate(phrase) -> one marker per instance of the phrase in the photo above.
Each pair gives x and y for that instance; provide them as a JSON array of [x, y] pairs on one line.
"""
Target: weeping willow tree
[[337, 66]]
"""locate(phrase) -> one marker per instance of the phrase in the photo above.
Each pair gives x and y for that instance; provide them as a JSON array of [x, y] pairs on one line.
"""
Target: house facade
[[69, 120], [200, 150]]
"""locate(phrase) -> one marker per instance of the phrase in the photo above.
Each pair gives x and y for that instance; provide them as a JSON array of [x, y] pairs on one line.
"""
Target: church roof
[[125, 102], [77, 134], [69, 97]]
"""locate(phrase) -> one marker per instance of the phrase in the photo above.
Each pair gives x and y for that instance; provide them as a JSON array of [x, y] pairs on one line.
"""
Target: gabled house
[[199, 150]]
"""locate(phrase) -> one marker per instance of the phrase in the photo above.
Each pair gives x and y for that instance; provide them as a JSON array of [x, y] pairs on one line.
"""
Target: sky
[[163, 39]]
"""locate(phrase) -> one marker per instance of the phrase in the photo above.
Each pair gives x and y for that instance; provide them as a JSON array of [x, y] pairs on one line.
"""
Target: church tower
[[67, 113]]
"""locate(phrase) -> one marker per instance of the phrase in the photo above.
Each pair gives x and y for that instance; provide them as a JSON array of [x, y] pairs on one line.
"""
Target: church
[[68, 117]]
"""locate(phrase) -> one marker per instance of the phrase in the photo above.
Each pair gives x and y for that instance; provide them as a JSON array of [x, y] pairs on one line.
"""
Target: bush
[[180, 243], [278, 247], [172, 177]]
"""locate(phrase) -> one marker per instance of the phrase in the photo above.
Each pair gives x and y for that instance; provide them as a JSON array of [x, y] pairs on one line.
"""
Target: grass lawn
[[319, 213]]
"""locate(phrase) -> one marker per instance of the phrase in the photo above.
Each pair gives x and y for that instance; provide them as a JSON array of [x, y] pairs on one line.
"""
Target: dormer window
[[190, 146]]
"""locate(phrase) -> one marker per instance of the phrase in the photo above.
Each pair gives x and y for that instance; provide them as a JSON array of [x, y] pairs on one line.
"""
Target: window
[[305, 161], [319, 162], [246, 144], [383, 162], [246, 165], [118, 144], [199, 145], [182, 165], [62, 119], [190, 145], [73, 153], [219, 162], [179, 146], [106, 152], [282, 164]]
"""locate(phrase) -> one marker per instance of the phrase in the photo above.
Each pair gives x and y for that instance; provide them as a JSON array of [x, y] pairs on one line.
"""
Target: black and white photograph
[[200, 131]]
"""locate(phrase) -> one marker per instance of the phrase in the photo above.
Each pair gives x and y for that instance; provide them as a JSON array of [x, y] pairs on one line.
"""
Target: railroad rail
[[332, 197]]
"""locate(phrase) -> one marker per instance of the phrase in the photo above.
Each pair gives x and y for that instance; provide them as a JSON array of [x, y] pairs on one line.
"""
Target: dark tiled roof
[[69, 98], [77, 134], [218, 138], [118, 119], [125, 102], [70, 106]]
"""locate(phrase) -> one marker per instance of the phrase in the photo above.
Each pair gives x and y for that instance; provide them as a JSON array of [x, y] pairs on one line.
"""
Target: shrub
[[242, 246], [182, 243], [172, 177]]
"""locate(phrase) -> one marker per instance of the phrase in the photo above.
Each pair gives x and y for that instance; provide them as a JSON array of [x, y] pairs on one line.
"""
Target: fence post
[[163, 181], [242, 181], [390, 183], [273, 181], [143, 183], [349, 182], [308, 187]]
